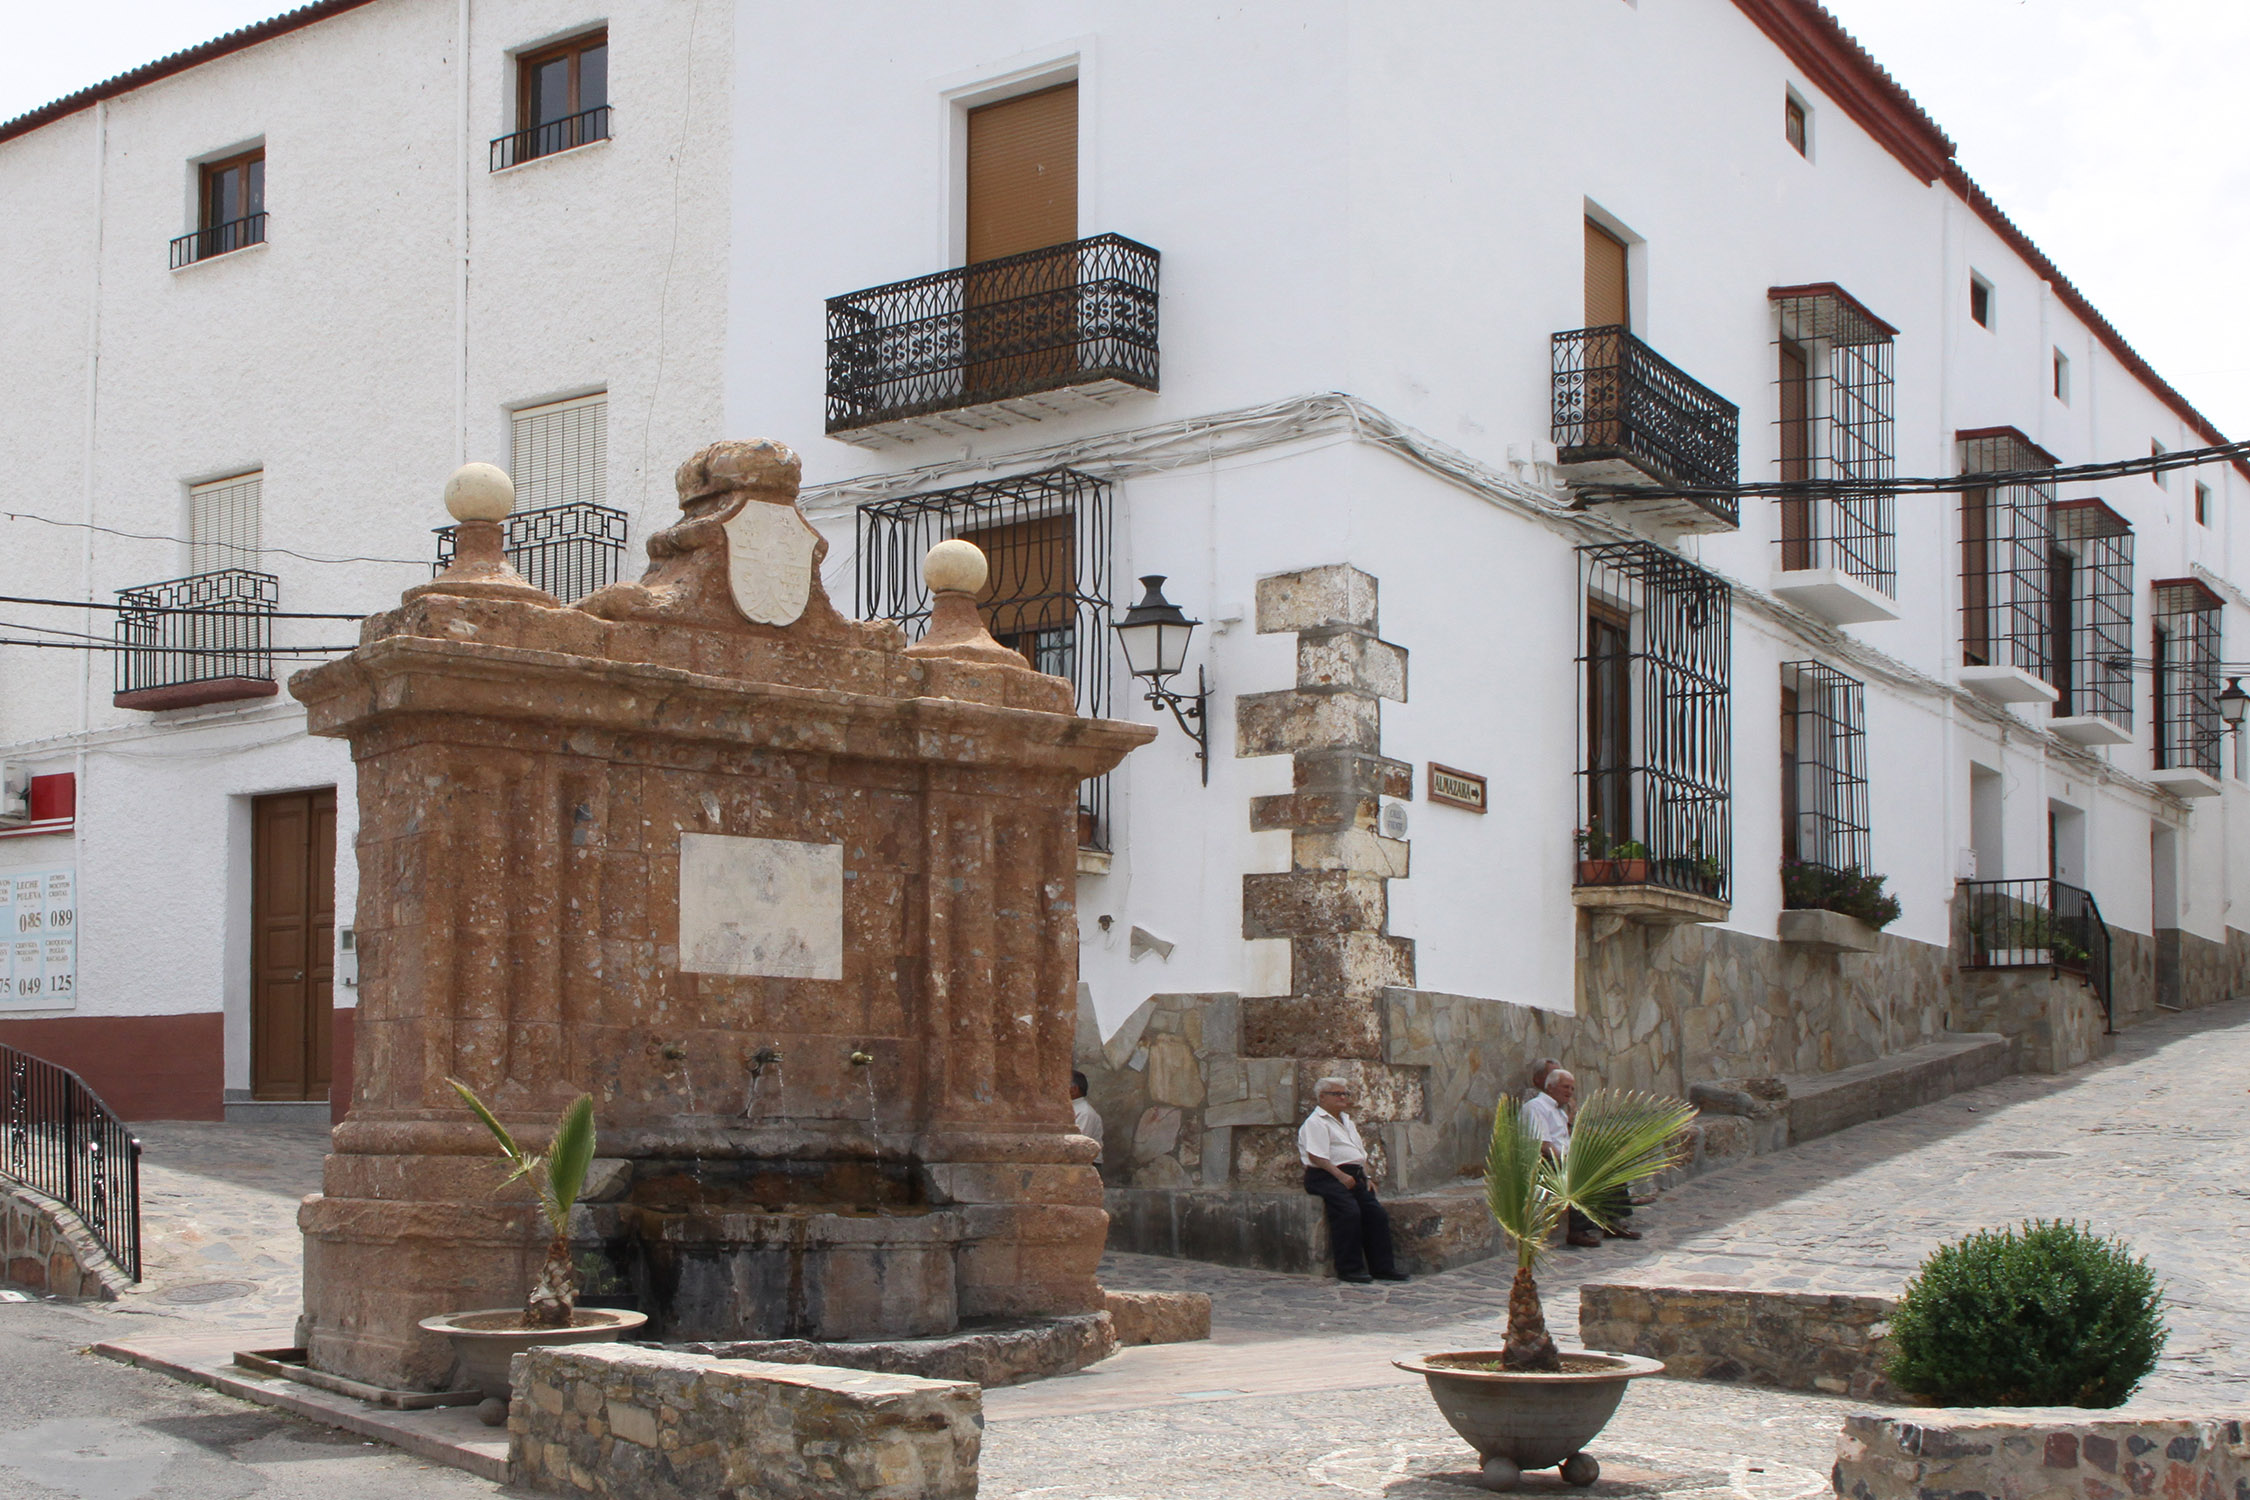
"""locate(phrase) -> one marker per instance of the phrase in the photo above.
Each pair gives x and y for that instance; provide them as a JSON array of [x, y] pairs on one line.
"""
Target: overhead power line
[[2155, 463], [201, 611], [150, 536], [231, 651]]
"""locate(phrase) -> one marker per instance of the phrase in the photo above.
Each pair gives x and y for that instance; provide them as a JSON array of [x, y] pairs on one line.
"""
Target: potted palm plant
[[485, 1340], [1527, 1405]]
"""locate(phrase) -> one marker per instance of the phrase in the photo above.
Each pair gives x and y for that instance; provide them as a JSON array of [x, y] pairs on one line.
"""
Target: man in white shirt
[[1082, 1110], [1337, 1173], [1549, 1114]]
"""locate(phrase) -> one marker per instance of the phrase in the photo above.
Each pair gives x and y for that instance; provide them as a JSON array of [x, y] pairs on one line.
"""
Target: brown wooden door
[[1607, 301], [1021, 321], [293, 935]]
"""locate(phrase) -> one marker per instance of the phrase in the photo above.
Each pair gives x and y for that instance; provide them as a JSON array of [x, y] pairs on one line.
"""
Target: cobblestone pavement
[[1295, 1395]]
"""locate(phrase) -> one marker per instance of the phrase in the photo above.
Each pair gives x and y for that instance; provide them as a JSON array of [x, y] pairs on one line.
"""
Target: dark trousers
[[1359, 1230]]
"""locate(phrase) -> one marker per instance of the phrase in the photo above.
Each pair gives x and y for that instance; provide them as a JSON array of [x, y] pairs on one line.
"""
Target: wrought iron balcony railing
[[568, 550], [58, 1138], [1069, 316], [534, 141], [218, 239], [2034, 924], [207, 638], [1618, 399]]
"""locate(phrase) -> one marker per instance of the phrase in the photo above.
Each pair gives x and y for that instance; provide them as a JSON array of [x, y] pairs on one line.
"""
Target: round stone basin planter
[[484, 1341], [1518, 1419]]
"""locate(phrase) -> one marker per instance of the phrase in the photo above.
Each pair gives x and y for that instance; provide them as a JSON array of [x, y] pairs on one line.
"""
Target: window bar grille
[[1828, 791], [2091, 594], [2189, 731], [535, 141], [1046, 537], [1615, 397], [196, 629], [218, 239], [1837, 422], [2007, 553], [1654, 778], [568, 550], [1045, 320]]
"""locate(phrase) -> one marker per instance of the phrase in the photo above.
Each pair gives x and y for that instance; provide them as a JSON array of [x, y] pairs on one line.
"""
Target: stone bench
[[630, 1423], [2040, 1453]]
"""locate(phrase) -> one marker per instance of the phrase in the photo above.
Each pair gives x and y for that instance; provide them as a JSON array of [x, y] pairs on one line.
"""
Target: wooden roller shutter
[[1023, 173], [1606, 298], [1030, 590]]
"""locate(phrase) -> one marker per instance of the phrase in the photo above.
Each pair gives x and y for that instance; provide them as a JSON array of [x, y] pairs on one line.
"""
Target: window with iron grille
[[2188, 728], [1046, 540], [1823, 767], [224, 529], [230, 208], [2007, 552], [1836, 423], [1654, 778], [2090, 599], [560, 536]]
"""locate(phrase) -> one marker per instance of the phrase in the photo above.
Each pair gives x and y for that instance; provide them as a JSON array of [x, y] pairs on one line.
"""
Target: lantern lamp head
[[2233, 702], [1155, 633]]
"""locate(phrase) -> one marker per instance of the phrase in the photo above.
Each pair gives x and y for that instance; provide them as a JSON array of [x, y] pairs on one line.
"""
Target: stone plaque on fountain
[[790, 898]]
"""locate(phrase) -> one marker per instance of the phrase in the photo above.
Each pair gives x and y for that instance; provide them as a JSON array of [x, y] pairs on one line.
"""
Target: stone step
[[1824, 1103]]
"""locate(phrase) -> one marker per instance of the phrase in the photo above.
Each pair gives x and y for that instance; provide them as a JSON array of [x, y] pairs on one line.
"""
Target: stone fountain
[[791, 898]]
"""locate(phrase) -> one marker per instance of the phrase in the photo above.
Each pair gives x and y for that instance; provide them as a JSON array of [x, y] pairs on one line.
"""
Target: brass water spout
[[764, 1058], [861, 1059]]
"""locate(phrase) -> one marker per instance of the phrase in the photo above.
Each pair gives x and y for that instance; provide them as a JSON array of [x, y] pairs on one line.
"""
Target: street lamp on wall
[[2232, 703], [1155, 635]]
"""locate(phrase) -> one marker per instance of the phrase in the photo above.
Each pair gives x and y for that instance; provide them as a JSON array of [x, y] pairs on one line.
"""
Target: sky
[[2115, 132]]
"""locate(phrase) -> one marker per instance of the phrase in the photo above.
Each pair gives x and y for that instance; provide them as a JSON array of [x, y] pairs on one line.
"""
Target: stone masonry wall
[[2040, 1453], [1796, 1341], [43, 1248], [628, 1423]]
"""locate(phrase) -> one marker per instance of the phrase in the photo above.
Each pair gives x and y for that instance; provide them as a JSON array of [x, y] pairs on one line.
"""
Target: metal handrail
[[218, 239], [57, 1137], [1614, 396], [1046, 320], [196, 629], [569, 550], [535, 141], [2036, 924]]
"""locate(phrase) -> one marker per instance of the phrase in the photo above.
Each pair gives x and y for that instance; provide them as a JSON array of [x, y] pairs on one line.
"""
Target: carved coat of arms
[[770, 562]]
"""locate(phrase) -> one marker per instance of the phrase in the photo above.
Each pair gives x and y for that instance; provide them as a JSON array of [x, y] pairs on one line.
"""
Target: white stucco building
[[1337, 315]]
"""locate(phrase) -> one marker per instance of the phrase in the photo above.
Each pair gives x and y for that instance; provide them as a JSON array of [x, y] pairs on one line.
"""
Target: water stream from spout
[[874, 1126]]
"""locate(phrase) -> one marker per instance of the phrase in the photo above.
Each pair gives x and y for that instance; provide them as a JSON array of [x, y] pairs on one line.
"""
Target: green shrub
[[1850, 891], [2048, 1315]]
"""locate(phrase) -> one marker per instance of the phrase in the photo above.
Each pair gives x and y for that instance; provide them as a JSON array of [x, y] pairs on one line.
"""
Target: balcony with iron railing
[[993, 344], [207, 638], [534, 141], [1627, 418], [2034, 924], [218, 239], [58, 1138], [569, 550]]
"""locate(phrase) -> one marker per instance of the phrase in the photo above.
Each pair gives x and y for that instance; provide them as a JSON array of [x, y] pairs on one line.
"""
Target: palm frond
[[1619, 1137], [1516, 1183], [568, 1159], [491, 1121]]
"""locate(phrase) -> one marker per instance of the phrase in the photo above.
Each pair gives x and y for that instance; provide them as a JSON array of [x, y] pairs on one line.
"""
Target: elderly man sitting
[[1337, 1172], [1549, 1114]]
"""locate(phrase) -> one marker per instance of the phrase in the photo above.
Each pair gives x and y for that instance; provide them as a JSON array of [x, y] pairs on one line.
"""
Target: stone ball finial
[[955, 566], [480, 492], [759, 465]]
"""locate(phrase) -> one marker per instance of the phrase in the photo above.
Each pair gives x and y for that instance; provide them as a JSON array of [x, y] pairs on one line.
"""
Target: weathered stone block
[[1329, 1025], [1333, 659], [1159, 1317], [1338, 594], [1353, 963], [2040, 1453], [672, 1426], [1282, 723], [1312, 901], [1355, 850], [1800, 1341]]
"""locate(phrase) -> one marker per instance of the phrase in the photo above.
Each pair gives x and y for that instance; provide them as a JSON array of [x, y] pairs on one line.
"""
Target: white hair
[[1332, 1082], [1560, 1075]]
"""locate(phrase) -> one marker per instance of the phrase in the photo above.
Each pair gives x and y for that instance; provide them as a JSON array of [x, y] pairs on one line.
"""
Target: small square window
[[2203, 505], [2062, 377], [562, 100], [230, 208], [1793, 121], [1980, 300]]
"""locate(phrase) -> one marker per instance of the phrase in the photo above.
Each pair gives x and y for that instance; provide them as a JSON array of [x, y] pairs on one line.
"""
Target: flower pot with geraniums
[[1606, 861], [485, 1340], [1528, 1405]]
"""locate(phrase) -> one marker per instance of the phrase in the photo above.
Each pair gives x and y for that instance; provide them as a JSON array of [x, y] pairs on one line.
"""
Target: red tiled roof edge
[[1835, 62], [178, 62]]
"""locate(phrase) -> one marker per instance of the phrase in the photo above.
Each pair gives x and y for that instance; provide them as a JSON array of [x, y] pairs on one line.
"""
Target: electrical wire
[[182, 650], [2155, 463], [200, 611], [149, 536]]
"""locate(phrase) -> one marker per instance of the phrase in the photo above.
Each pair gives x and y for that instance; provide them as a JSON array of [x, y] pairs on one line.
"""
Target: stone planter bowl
[[484, 1341], [1519, 1420]]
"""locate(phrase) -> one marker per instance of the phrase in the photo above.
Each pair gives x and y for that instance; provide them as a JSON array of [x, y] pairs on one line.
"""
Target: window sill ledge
[[1653, 905], [205, 260]]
